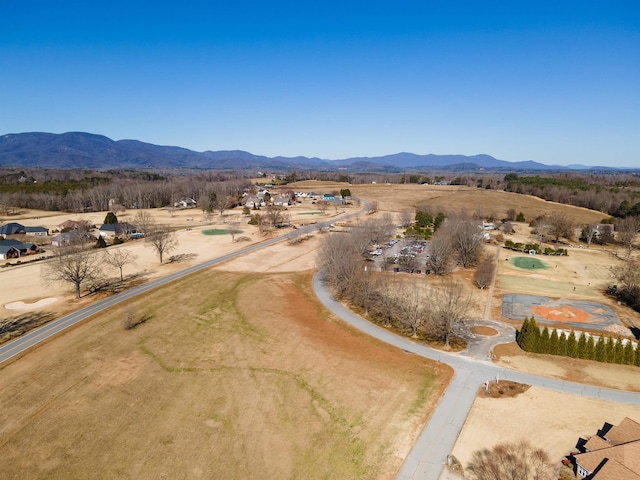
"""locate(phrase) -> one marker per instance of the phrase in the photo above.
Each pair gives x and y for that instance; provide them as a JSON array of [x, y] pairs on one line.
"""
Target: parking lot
[[400, 255]]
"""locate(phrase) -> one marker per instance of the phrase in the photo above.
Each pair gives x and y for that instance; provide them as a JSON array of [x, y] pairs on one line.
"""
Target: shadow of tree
[[15, 326]]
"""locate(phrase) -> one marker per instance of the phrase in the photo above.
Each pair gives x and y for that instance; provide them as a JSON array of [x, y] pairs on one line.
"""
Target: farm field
[[232, 375]]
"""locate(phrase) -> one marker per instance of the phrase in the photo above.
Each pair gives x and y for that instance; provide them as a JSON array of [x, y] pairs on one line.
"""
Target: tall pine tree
[[553, 342], [581, 351], [618, 351], [543, 343], [590, 350], [609, 355], [600, 354], [572, 345], [562, 344], [629, 353]]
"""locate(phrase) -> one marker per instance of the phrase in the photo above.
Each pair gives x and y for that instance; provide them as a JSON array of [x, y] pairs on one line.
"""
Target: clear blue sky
[[553, 81]]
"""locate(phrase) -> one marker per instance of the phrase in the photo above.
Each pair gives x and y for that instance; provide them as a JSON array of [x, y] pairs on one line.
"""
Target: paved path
[[428, 456]]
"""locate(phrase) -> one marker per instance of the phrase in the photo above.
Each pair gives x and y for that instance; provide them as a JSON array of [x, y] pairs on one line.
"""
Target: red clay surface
[[561, 314]]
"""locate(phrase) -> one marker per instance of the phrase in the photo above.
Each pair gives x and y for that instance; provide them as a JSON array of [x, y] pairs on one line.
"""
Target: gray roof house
[[114, 229], [11, 229], [72, 237]]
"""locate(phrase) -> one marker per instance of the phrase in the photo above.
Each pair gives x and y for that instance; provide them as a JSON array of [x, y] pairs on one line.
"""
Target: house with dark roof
[[23, 248], [12, 228], [613, 453], [8, 251], [37, 231]]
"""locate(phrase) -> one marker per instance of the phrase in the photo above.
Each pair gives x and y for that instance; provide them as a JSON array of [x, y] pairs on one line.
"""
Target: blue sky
[[553, 81]]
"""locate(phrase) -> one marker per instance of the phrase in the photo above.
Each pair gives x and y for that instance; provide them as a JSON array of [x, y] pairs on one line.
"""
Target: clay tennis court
[[574, 313]]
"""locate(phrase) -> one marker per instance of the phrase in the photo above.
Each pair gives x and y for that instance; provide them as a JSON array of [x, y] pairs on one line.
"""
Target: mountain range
[[75, 150]]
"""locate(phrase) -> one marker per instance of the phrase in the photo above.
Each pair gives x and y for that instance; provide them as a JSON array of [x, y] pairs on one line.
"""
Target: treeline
[[76, 191], [611, 195], [532, 339]]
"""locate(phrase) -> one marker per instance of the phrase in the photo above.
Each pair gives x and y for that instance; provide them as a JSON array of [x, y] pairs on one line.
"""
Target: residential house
[[37, 231], [12, 229], [185, 203], [7, 252], [282, 201], [613, 453], [19, 229], [118, 229], [72, 237], [84, 225], [254, 201], [23, 248]]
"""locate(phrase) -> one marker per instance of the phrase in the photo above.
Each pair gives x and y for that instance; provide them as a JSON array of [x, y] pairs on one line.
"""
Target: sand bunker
[[30, 306]]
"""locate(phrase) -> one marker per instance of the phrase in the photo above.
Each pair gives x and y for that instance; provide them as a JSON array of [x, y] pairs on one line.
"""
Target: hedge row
[[532, 339]]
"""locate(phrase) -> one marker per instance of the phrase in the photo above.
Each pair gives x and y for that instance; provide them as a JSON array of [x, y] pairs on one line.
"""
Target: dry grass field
[[232, 375], [238, 373]]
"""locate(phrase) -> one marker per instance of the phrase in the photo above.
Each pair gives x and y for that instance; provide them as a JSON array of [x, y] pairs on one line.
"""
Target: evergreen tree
[[599, 352], [590, 350], [618, 351], [572, 345], [533, 337], [100, 243], [524, 335], [636, 360], [581, 351], [608, 350], [553, 342], [562, 344], [543, 344], [110, 218], [629, 353]]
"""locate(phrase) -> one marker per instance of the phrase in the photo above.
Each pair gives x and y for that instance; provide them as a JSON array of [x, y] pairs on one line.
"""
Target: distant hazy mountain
[[90, 151]]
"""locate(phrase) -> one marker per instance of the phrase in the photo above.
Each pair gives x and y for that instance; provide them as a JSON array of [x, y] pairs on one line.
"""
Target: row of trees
[[532, 339], [81, 265], [435, 310]]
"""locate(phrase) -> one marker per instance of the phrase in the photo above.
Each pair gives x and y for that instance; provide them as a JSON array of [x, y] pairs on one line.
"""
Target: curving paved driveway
[[428, 456]]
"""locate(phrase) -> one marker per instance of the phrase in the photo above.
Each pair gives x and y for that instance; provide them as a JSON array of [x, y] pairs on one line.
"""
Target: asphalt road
[[428, 456]]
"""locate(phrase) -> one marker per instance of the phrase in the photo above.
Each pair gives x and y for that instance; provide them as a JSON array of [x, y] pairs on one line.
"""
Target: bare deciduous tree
[[406, 217], [558, 226], [412, 302], [276, 215], [440, 253], [119, 258], [588, 232], [233, 228], [519, 461], [483, 275], [467, 239], [143, 221], [449, 306], [75, 264], [627, 231], [162, 239], [340, 258]]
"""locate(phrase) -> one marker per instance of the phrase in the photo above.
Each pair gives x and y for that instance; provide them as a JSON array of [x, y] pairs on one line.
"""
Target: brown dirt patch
[[484, 331], [502, 389], [565, 313], [550, 420], [622, 377]]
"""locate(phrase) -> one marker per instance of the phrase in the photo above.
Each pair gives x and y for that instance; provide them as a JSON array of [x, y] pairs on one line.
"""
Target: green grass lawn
[[529, 263]]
